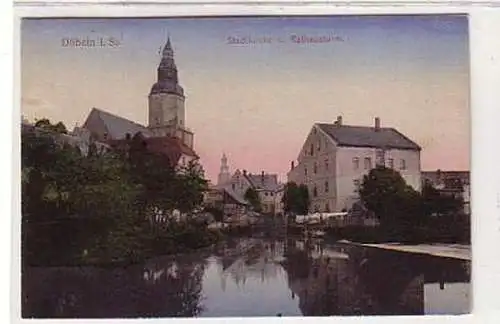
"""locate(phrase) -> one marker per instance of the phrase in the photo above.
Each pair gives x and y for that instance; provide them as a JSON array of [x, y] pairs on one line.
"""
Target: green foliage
[[435, 203], [296, 199], [98, 206], [405, 213], [385, 192], [253, 198], [45, 124]]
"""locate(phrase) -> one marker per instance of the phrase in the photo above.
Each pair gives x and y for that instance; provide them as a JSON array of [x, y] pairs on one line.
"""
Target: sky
[[257, 102]]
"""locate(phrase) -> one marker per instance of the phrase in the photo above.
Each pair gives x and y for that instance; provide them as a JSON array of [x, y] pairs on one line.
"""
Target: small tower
[[224, 175]]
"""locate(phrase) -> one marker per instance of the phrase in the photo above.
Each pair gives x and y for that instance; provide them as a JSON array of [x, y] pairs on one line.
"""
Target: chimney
[[339, 121], [377, 124], [293, 165], [262, 176]]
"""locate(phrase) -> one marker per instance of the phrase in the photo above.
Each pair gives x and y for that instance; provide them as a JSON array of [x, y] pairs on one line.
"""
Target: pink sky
[[257, 103]]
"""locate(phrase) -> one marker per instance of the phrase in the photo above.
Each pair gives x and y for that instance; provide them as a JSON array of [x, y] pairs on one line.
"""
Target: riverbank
[[212, 238], [452, 251]]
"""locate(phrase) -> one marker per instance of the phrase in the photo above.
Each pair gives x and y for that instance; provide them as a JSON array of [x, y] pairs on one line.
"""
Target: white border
[[485, 105]]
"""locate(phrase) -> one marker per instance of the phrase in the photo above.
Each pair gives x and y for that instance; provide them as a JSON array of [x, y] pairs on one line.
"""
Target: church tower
[[167, 116], [224, 175]]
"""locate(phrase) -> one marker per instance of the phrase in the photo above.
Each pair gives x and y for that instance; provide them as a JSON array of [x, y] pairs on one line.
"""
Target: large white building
[[335, 157]]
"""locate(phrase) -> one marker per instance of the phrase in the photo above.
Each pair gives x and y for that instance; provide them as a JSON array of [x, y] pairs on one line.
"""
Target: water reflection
[[255, 277]]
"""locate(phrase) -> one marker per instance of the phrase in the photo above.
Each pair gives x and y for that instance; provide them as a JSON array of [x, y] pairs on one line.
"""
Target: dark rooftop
[[363, 136]]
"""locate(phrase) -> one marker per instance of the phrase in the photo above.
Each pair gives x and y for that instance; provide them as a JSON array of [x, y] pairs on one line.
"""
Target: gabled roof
[[263, 181], [235, 196], [363, 136], [118, 126], [231, 193]]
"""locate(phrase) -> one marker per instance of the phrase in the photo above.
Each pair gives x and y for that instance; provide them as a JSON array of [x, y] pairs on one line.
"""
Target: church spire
[[224, 175], [167, 78], [168, 52]]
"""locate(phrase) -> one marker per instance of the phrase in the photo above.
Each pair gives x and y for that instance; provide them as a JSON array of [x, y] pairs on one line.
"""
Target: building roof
[[363, 136], [239, 199], [263, 181], [117, 126], [231, 193], [171, 147]]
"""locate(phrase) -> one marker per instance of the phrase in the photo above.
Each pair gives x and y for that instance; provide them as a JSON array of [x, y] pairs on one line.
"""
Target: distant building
[[279, 206], [452, 183], [265, 184], [79, 138], [83, 139], [335, 157], [225, 199], [224, 175]]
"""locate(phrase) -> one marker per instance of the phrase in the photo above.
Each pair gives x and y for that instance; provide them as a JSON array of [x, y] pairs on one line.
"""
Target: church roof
[[118, 127], [363, 136]]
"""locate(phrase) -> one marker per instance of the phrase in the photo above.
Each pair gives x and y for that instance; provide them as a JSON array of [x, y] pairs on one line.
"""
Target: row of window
[[368, 163], [315, 167], [356, 164], [326, 189], [311, 149], [233, 186]]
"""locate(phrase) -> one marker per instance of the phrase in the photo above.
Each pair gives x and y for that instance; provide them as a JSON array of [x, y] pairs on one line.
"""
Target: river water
[[254, 277]]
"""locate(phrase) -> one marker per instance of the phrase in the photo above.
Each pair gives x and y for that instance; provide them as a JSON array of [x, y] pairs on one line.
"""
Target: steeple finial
[[169, 45], [168, 52]]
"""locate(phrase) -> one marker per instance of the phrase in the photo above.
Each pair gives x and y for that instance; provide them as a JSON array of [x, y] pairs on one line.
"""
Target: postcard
[[256, 166]]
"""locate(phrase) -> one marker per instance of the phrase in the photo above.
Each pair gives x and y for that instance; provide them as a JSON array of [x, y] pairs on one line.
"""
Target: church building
[[166, 129]]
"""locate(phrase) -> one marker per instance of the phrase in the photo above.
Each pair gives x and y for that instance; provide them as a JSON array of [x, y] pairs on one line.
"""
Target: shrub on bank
[[440, 230]]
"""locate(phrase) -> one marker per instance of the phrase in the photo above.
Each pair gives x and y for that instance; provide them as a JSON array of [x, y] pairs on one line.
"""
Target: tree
[[385, 192], [252, 196], [192, 184], [296, 199], [48, 126], [436, 203], [100, 203], [304, 199]]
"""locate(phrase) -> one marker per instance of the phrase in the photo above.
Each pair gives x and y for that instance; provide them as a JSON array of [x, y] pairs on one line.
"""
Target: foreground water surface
[[254, 277]]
